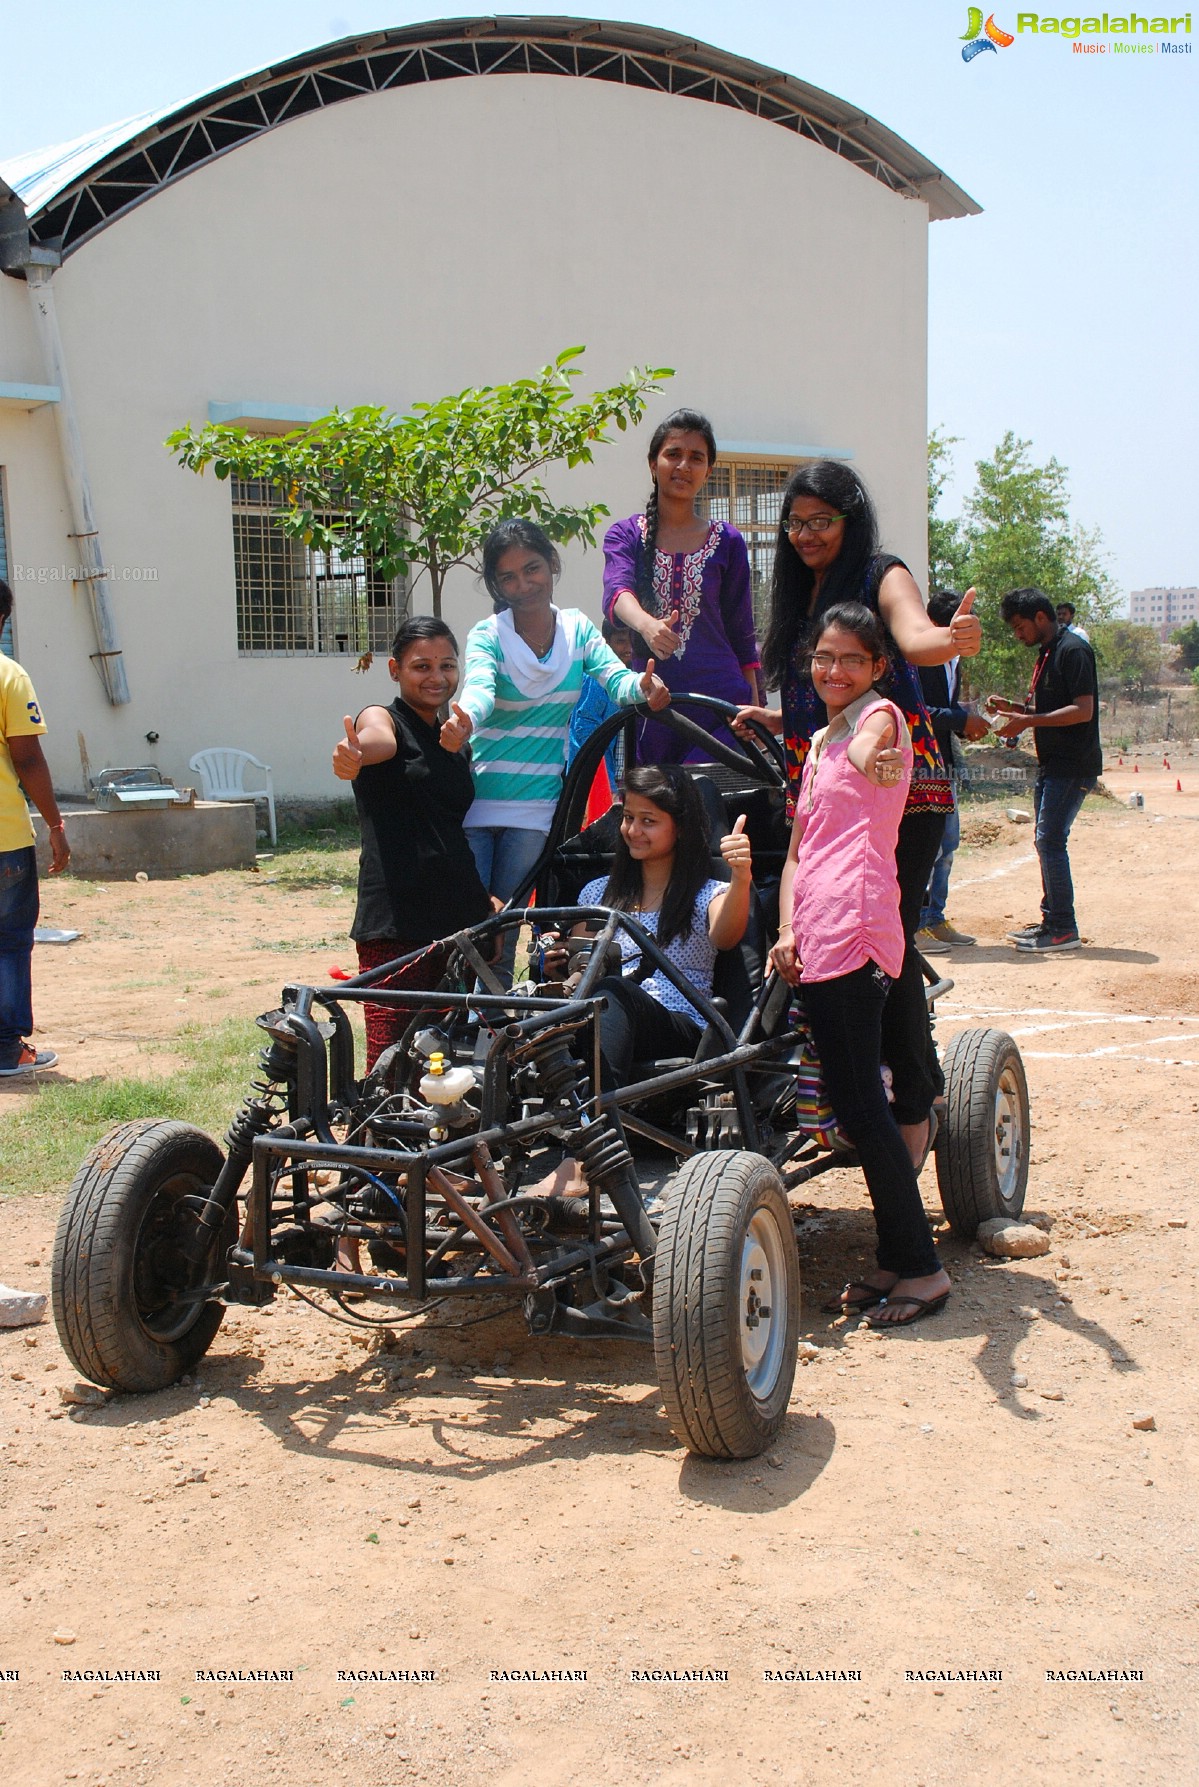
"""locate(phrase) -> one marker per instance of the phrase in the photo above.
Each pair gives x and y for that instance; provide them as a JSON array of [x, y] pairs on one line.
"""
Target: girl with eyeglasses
[[841, 939], [682, 585], [827, 552]]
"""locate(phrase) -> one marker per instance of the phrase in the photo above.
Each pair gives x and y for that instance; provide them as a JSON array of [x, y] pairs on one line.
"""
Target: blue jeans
[[933, 910], [503, 855], [18, 916], [1056, 801]]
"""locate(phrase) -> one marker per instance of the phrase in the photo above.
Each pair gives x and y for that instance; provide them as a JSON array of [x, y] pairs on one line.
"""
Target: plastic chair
[[223, 774]]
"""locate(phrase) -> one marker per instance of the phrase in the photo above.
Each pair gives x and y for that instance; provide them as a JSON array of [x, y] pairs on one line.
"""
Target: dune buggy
[[435, 1162]]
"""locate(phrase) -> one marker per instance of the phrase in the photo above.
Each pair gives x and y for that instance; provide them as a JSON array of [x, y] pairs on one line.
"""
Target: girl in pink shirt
[[844, 944]]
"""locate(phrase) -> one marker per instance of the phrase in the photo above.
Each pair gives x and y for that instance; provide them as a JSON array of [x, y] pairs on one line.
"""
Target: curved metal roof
[[74, 191]]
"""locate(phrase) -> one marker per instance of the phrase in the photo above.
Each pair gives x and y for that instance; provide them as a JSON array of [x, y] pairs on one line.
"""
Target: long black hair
[[792, 582], [678, 422], [503, 536], [668, 786]]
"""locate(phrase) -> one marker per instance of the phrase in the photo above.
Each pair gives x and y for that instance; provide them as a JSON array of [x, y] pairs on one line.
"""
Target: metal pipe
[[93, 575]]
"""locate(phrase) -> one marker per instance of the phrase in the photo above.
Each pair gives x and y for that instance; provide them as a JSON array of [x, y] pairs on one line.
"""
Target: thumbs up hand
[[656, 693], [347, 753], [456, 730], [735, 849], [965, 629], [660, 636]]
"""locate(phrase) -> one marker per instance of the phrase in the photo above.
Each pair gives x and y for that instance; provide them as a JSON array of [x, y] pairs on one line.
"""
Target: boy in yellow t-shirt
[[23, 771]]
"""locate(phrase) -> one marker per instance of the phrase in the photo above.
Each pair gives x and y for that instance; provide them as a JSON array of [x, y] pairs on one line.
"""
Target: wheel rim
[[762, 1304], [160, 1271], [1009, 1133]]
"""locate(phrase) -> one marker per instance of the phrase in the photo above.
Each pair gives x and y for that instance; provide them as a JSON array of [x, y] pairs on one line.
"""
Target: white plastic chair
[[223, 774]]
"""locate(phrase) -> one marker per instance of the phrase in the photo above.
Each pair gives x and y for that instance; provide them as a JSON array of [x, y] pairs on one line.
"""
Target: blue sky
[[1066, 312]]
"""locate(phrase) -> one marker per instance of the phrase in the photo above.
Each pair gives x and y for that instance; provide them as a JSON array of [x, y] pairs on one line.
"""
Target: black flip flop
[[921, 1307], [839, 1306]]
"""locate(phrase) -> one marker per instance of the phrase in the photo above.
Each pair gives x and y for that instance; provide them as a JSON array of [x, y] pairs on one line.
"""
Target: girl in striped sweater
[[524, 673]]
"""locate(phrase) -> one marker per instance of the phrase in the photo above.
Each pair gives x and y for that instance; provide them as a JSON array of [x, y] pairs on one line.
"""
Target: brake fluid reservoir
[[445, 1086]]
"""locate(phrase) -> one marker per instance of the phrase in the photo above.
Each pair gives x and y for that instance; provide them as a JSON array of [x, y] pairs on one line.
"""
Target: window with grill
[[293, 600], [749, 493]]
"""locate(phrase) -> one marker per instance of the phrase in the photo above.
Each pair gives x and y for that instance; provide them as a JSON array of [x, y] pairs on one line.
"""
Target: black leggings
[[846, 1019], [907, 1036], [635, 1027]]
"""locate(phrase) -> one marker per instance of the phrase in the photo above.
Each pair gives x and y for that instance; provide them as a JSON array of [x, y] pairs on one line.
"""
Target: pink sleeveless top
[[846, 891]]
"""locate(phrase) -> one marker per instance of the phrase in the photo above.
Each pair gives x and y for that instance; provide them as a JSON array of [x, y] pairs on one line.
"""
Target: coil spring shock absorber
[[264, 1103], [599, 1143]]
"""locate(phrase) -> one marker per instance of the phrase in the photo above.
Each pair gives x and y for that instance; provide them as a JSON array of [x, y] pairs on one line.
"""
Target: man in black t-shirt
[[1063, 712]]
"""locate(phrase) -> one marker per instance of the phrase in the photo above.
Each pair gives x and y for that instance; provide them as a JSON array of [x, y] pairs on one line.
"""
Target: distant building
[[1164, 609]]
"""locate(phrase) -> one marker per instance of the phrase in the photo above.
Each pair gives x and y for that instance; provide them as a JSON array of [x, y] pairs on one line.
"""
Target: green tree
[[946, 548], [1129, 658], [1017, 534], [420, 492], [1187, 639]]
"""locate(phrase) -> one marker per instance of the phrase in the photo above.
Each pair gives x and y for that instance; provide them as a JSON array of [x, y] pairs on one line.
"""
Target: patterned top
[[710, 589], [846, 909], [519, 739], [693, 954], [931, 790]]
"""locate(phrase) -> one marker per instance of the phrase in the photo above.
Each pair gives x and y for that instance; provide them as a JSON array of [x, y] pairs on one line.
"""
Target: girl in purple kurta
[[682, 586]]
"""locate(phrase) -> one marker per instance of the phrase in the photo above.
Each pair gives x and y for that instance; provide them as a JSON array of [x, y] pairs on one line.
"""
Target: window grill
[[295, 600], [749, 493]]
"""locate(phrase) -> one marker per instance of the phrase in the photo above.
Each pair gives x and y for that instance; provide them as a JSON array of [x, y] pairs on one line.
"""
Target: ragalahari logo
[[979, 37]]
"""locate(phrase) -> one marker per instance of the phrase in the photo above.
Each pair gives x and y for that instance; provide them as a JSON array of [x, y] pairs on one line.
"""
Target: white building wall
[[407, 244]]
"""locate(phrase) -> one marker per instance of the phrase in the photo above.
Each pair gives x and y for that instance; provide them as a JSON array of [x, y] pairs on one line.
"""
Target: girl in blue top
[[524, 675]]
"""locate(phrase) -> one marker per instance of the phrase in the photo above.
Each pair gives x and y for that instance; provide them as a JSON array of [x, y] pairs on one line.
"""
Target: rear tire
[[726, 1304], [982, 1150], [117, 1264]]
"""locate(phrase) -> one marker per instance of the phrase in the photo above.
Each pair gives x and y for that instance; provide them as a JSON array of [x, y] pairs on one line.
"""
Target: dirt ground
[[965, 1498]]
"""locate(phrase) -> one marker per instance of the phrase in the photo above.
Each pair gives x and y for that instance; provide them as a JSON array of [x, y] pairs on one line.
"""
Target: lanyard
[[1036, 675]]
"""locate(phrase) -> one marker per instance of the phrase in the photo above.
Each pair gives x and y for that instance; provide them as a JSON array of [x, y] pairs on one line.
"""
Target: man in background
[[1065, 618], [1062, 711], [941, 684], [23, 772]]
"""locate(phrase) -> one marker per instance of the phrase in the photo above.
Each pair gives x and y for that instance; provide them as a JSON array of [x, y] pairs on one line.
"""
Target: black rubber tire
[[985, 1089], [700, 1305], [113, 1234]]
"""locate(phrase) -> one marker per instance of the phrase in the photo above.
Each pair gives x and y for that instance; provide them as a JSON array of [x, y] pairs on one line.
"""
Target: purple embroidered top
[[711, 590]]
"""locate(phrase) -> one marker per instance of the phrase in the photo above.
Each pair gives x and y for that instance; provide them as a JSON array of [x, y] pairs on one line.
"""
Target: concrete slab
[[166, 841]]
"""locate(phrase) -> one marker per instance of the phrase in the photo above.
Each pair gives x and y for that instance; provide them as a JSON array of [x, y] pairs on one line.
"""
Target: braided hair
[[678, 422]]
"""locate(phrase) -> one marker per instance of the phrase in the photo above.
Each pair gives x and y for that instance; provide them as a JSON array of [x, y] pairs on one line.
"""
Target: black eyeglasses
[[815, 524]]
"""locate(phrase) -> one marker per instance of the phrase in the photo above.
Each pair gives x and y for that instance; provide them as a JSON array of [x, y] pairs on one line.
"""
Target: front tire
[[982, 1151], [726, 1304], [117, 1265]]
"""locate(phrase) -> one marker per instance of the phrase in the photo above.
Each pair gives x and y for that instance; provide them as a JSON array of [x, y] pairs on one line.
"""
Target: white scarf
[[533, 676]]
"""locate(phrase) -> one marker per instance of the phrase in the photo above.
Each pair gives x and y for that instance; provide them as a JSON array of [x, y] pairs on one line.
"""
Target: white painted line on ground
[[946, 1008], [1108, 1055], [1009, 868]]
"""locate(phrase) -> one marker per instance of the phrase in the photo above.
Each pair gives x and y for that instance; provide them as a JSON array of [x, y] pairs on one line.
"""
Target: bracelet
[[61, 826]]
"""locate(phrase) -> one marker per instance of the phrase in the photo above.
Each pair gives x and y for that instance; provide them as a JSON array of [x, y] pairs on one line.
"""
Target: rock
[[83, 1395], [21, 1309], [1018, 815], [808, 1350], [1012, 1240], [1019, 1381], [1055, 1395], [1176, 1222], [1143, 1421], [62, 1637]]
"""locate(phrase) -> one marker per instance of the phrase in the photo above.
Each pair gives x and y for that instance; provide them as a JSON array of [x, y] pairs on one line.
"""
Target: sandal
[[844, 1305], [921, 1306]]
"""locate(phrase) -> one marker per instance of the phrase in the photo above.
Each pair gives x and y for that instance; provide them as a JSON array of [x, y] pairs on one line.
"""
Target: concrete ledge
[[167, 841]]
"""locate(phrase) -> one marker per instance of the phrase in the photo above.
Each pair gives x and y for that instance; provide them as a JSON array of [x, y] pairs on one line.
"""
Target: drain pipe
[[91, 573]]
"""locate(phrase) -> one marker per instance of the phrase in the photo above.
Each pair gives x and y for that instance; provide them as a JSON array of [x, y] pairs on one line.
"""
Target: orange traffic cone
[[1177, 785], [1165, 763], [1120, 762], [1136, 769]]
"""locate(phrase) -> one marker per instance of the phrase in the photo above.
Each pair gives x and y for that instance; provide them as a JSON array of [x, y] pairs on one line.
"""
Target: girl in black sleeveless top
[[417, 879]]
